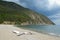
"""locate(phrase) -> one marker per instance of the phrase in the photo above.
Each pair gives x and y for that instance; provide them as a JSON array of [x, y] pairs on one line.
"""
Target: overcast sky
[[50, 8]]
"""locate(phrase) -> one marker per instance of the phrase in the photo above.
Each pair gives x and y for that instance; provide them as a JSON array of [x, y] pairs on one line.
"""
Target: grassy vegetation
[[12, 12], [8, 13]]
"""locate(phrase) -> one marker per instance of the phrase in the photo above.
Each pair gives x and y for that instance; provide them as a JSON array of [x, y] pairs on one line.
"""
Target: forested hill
[[12, 13]]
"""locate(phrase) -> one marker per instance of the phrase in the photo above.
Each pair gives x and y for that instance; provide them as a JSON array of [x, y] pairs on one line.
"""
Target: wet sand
[[7, 34]]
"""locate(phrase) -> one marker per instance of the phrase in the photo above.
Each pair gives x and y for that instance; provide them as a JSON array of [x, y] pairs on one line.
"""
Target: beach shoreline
[[7, 34]]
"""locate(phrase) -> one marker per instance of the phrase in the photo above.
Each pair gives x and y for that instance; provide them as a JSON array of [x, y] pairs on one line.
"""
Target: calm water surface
[[50, 29]]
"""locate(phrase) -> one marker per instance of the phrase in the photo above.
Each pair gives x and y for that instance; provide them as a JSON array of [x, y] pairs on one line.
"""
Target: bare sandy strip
[[7, 34]]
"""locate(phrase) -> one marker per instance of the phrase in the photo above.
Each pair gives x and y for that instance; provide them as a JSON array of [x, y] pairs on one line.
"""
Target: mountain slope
[[13, 13]]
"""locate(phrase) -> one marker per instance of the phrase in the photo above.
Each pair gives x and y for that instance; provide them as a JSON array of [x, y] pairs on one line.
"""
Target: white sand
[[7, 34]]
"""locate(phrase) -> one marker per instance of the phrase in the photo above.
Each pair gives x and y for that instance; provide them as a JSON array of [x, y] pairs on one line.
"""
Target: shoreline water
[[5, 30], [51, 34], [48, 33]]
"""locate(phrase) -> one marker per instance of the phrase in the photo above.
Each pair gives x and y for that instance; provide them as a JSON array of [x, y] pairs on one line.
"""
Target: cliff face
[[13, 13]]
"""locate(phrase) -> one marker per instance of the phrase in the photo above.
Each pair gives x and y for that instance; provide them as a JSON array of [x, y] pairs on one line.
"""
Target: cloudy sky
[[50, 8]]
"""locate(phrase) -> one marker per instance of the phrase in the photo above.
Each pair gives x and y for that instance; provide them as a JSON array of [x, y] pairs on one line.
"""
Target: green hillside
[[12, 12]]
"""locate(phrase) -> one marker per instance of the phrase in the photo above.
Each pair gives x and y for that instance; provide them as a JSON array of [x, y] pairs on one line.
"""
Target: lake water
[[50, 29]]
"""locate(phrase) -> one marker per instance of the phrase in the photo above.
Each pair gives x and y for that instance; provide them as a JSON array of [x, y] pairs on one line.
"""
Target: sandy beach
[[7, 34]]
